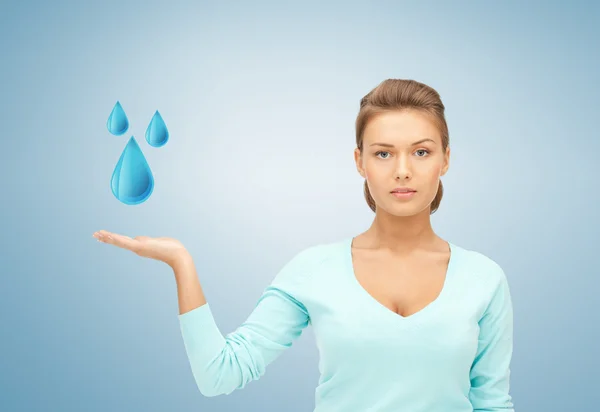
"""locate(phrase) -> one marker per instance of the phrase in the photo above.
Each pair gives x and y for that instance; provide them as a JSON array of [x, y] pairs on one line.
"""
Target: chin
[[401, 210], [406, 209]]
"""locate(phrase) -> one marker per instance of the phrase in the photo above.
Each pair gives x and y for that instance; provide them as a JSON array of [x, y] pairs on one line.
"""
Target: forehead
[[401, 127]]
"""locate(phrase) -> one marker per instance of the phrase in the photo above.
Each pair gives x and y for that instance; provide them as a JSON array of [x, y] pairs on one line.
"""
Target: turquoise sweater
[[452, 356]]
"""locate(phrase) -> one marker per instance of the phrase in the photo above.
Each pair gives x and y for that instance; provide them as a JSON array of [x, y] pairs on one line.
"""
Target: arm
[[189, 292], [220, 364], [490, 372]]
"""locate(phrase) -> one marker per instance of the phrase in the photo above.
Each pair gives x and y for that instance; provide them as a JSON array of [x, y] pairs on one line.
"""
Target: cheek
[[433, 183]]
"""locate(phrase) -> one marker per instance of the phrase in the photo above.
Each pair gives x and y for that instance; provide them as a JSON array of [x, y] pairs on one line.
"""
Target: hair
[[400, 94]]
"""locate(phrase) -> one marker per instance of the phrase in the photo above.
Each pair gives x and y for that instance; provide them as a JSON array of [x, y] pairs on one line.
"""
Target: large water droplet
[[132, 181], [117, 122], [157, 134]]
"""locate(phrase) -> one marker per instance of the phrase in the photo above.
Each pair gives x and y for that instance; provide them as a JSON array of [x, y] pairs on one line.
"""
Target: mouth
[[407, 194]]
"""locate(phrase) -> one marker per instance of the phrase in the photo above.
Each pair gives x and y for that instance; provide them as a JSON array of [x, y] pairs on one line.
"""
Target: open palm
[[164, 249]]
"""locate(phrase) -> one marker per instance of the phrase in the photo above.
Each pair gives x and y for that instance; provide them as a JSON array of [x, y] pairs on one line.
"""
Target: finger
[[122, 241], [99, 235], [103, 234]]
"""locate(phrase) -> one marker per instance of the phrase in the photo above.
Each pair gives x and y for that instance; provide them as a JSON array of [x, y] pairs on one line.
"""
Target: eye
[[381, 151], [420, 150]]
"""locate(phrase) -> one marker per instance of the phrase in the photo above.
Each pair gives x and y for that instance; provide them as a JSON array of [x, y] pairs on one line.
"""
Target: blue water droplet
[[132, 181], [157, 134], [117, 122]]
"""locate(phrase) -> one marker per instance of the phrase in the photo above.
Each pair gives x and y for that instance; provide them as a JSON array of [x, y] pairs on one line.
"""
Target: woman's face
[[402, 148]]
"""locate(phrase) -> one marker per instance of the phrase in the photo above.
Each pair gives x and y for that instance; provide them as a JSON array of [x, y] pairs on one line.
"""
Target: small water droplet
[[132, 181], [117, 122], [157, 134]]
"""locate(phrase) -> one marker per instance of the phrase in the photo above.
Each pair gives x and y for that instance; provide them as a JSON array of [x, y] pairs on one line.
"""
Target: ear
[[446, 165], [358, 161]]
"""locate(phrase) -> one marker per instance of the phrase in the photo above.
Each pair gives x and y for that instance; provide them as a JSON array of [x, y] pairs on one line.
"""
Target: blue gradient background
[[260, 100]]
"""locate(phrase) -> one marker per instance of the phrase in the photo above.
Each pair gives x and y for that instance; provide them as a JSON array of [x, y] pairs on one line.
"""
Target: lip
[[404, 189], [404, 195]]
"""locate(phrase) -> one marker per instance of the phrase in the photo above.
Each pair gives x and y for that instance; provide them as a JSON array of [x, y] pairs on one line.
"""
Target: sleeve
[[490, 372], [220, 364]]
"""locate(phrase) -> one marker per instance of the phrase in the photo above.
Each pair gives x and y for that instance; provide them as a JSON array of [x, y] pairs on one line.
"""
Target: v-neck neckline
[[368, 299]]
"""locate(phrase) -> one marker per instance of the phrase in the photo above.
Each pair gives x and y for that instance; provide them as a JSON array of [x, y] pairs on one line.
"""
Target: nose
[[403, 167]]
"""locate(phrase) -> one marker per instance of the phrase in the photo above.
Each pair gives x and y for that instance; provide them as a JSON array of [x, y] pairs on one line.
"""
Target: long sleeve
[[220, 364], [490, 372]]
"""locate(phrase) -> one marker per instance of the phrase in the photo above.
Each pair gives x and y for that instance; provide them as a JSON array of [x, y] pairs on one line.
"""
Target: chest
[[404, 286]]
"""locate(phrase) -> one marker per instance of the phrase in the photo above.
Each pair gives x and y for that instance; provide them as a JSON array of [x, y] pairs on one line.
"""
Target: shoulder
[[299, 269], [314, 255], [480, 268], [484, 280]]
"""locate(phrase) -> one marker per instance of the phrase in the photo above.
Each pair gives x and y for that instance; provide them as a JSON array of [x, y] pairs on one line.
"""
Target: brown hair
[[400, 94]]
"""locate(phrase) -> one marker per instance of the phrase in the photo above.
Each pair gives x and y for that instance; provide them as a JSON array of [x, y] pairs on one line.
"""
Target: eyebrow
[[391, 145]]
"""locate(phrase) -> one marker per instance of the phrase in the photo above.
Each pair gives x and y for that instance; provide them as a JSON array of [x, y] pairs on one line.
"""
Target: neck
[[401, 234]]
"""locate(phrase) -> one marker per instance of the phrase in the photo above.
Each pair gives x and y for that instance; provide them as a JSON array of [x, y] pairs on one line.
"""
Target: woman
[[404, 320]]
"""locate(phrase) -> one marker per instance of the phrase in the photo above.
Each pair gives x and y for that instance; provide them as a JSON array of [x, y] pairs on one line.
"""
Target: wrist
[[181, 260]]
